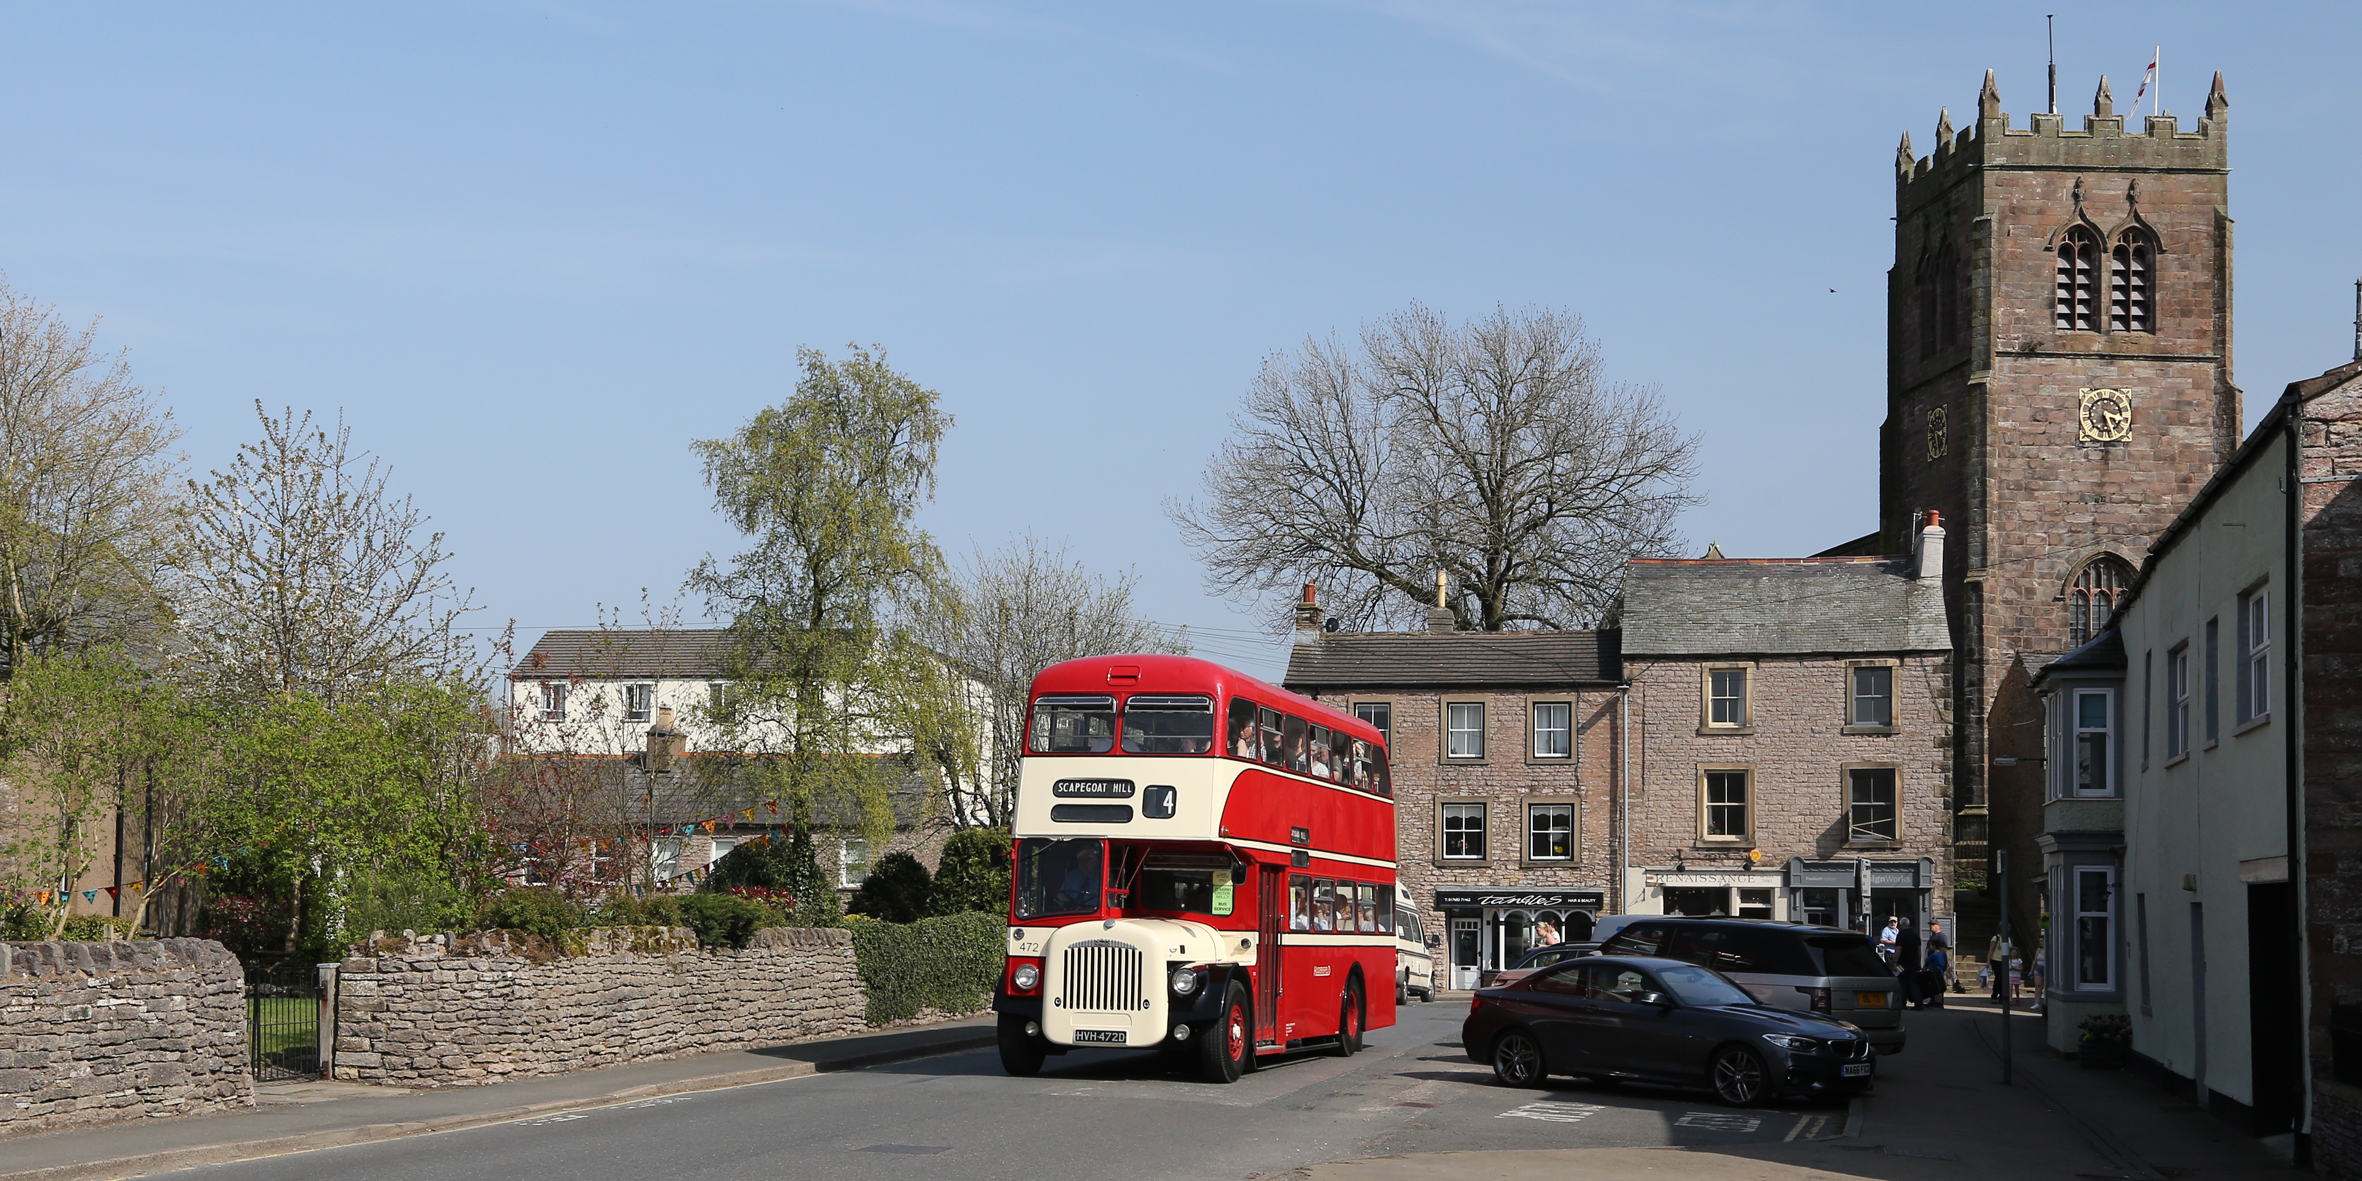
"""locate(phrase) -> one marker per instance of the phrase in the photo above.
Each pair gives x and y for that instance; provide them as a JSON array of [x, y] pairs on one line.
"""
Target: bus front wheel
[[1352, 1015], [1021, 1052], [1228, 1044]]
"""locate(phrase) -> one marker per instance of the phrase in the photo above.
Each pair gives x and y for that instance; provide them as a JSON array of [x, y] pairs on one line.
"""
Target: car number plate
[[1855, 1070], [1106, 1036], [1870, 1000]]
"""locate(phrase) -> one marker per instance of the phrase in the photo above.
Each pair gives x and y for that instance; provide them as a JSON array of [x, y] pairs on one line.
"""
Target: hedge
[[949, 963]]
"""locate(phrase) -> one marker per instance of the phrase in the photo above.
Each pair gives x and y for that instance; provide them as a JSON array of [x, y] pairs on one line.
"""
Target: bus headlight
[[1026, 977], [1184, 981]]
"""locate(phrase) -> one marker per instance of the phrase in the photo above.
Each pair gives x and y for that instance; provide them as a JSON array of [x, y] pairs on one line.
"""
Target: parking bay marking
[[1715, 1121], [1808, 1127], [1552, 1111]]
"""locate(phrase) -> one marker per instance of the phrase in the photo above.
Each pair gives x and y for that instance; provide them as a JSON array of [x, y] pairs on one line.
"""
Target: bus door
[[1271, 920]]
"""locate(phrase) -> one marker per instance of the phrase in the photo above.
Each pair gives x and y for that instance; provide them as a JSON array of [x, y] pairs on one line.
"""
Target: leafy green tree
[[764, 865], [896, 890], [815, 895], [76, 733], [825, 486], [974, 873]]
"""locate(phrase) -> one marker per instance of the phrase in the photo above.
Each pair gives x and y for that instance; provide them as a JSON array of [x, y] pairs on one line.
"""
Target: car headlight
[[1184, 981], [1788, 1042], [1025, 977]]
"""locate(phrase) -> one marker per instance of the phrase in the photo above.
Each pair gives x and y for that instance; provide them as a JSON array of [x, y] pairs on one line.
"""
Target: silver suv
[[1821, 970]]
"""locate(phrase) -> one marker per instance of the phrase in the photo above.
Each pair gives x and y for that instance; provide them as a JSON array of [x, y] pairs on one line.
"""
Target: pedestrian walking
[[1886, 941], [1939, 957]]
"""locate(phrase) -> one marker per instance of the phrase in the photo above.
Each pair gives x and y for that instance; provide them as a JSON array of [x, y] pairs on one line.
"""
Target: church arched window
[[2099, 586], [2128, 282], [2075, 303]]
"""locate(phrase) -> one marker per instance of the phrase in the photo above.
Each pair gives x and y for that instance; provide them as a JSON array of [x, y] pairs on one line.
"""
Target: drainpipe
[[1623, 800], [2293, 760]]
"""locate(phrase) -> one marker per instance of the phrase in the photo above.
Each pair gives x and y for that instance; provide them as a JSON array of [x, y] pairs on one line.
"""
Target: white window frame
[[1745, 705], [553, 701], [645, 691], [2107, 916], [1535, 833], [1461, 810], [1383, 723], [1455, 749], [1565, 730], [2255, 656], [852, 862], [2106, 734], [2177, 702]]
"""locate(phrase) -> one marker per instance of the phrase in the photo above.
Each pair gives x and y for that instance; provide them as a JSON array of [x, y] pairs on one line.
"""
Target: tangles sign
[[1488, 899]]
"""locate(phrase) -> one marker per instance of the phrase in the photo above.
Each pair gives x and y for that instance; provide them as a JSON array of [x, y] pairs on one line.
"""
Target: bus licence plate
[[1870, 1000], [1099, 1036], [1855, 1070]]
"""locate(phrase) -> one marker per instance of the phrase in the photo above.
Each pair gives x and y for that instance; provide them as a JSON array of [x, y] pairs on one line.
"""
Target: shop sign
[[1482, 899]]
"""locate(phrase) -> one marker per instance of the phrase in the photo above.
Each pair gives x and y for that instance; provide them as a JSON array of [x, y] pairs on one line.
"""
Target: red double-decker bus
[[1204, 862]]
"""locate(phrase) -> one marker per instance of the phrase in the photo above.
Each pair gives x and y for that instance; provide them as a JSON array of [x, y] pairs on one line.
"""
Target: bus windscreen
[[1073, 725], [1060, 877]]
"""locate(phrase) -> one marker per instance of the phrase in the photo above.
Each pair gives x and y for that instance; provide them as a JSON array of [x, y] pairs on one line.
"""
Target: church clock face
[[2105, 416]]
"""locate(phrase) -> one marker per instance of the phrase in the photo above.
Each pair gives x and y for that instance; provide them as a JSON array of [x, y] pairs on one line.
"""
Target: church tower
[[2058, 387]]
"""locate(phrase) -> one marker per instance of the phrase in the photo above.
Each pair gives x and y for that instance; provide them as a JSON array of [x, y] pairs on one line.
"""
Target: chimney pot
[[1308, 620], [1928, 554]]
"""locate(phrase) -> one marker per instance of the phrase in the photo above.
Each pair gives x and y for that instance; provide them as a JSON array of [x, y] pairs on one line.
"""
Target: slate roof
[[2104, 654], [1780, 606], [1415, 660], [602, 653]]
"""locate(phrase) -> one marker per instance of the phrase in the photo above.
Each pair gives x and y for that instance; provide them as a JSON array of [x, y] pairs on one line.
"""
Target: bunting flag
[[748, 816], [89, 895], [112, 891], [708, 826], [773, 806], [139, 886], [44, 896]]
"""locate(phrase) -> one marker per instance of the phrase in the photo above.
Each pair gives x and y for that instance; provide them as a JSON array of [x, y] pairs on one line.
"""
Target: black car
[[1535, 960], [1615, 1018]]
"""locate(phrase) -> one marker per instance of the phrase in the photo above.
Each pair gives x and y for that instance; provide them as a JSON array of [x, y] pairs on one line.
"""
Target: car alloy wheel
[[1740, 1078], [1517, 1059]]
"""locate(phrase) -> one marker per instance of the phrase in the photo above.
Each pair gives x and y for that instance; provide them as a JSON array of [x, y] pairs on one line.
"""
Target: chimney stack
[[1308, 619], [1929, 559], [1440, 620], [665, 743]]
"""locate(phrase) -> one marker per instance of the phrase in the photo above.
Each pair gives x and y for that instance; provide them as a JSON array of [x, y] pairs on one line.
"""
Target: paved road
[[1091, 1114]]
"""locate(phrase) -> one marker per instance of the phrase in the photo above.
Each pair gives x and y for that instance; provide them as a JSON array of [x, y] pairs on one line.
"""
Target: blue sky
[[532, 250]]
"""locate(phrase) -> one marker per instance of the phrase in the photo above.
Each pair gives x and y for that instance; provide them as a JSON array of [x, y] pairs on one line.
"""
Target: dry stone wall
[[457, 1010], [97, 1032]]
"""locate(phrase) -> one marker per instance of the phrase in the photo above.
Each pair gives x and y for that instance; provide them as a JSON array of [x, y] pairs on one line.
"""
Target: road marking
[[547, 1120], [1552, 1111], [1715, 1121], [908, 1149], [1808, 1127]]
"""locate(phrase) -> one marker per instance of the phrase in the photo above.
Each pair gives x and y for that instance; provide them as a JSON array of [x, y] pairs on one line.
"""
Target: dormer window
[[2078, 282]]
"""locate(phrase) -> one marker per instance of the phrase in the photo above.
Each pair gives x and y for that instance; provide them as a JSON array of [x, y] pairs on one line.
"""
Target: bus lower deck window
[[1324, 904], [1299, 903], [1366, 906]]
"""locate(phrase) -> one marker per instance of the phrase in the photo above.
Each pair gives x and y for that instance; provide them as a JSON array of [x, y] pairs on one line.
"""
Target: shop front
[[1489, 929], [1854, 893]]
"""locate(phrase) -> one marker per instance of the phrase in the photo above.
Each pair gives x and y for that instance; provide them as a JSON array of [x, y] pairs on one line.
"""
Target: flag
[[141, 886], [44, 896], [773, 806], [113, 891], [89, 895], [748, 816], [708, 826], [2146, 80]]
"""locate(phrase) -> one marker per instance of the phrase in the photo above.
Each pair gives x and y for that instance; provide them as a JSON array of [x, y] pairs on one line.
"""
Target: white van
[[1414, 961]]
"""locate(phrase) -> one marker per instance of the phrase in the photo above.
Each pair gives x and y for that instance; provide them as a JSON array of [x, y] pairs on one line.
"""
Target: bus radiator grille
[[1102, 976]]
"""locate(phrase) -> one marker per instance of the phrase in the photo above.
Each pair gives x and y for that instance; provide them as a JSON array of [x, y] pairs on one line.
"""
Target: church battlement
[[2102, 144]]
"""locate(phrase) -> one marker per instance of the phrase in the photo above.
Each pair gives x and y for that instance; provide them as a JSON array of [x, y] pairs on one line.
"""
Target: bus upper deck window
[[1273, 753], [1073, 725], [1299, 757], [1321, 767], [1168, 725], [1242, 729]]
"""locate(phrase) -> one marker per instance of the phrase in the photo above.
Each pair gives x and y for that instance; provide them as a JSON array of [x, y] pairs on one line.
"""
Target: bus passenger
[[1320, 752], [1324, 905], [1242, 729], [1299, 904]]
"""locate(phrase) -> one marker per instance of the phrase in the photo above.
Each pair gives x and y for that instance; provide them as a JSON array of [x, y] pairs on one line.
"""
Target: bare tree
[[87, 507], [1493, 451], [1010, 614], [306, 574]]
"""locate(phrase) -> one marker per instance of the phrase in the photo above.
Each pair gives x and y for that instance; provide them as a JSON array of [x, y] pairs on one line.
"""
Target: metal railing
[[283, 1022]]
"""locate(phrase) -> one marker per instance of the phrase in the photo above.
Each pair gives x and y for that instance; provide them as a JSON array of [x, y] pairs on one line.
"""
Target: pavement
[[303, 1116], [933, 1103]]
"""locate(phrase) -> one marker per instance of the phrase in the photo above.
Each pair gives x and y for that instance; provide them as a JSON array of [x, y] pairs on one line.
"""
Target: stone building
[[1792, 737], [2220, 717], [1506, 752], [2059, 385]]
